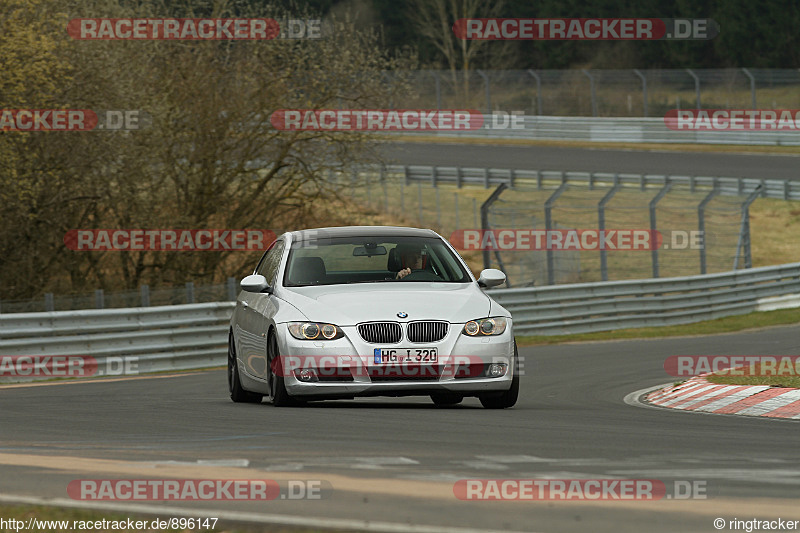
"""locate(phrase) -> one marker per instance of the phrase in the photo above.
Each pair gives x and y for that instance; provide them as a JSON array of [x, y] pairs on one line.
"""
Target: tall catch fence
[[598, 92]]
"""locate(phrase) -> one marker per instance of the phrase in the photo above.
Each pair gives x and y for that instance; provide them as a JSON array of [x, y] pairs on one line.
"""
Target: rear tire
[[505, 399], [443, 399], [277, 387], [238, 394]]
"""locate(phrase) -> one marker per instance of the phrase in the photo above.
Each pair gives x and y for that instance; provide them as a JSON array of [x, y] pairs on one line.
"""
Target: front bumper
[[461, 366]]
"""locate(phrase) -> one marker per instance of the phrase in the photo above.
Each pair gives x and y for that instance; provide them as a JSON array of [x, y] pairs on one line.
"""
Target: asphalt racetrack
[[390, 464], [744, 165]]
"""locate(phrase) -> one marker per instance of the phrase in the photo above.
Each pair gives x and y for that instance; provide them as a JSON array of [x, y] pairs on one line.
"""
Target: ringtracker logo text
[[584, 29], [195, 489], [173, 29], [28, 120], [376, 119], [733, 365], [66, 366], [395, 120], [733, 119], [577, 489], [575, 239], [386, 363], [558, 239], [168, 239]]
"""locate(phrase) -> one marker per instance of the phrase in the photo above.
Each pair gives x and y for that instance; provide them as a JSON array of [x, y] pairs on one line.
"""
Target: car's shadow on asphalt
[[362, 404]]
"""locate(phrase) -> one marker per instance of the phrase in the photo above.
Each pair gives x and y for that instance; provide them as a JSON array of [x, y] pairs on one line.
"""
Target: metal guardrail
[[589, 307], [182, 337], [622, 130], [175, 337], [490, 177]]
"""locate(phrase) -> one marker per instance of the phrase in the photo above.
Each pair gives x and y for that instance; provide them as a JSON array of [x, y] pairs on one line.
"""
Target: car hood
[[347, 305]]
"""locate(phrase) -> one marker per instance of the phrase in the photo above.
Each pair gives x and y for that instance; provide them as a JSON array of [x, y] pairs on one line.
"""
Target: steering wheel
[[421, 275]]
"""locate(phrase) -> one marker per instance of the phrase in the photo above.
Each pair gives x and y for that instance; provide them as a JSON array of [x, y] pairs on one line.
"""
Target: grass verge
[[708, 327], [782, 376]]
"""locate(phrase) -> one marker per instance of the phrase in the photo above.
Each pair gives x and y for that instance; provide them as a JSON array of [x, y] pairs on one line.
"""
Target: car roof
[[361, 231]]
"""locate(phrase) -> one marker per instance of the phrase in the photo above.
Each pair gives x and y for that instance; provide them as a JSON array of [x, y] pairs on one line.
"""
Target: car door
[[254, 311], [261, 310]]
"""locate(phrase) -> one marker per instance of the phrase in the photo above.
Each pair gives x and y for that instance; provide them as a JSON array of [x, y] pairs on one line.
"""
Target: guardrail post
[[419, 200], [99, 299], [485, 227], [538, 91], [438, 81], [455, 197], [487, 89], [144, 292], [644, 89], [189, 292], [49, 303], [434, 176], [752, 88], [601, 224], [654, 226], [475, 212], [438, 211], [696, 86], [548, 225], [388, 79], [458, 177], [485, 178], [744, 230], [591, 88], [701, 223], [231, 286]]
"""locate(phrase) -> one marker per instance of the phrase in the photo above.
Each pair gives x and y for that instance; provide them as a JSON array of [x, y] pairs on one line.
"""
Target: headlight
[[315, 331], [485, 326]]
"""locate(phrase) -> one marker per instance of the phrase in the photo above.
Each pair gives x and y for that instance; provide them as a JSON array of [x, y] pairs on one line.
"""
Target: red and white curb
[[697, 394]]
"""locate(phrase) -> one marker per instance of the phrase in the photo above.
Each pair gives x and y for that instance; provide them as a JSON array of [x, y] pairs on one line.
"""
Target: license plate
[[403, 355]]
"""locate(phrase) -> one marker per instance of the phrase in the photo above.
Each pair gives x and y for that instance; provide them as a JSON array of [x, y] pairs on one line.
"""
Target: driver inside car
[[411, 258]]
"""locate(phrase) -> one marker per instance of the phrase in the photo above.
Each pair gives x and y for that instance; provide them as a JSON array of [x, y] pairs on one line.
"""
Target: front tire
[[505, 399], [277, 387], [238, 394]]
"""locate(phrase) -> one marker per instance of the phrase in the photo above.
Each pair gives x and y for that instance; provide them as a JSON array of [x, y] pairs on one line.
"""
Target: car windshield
[[337, 260]]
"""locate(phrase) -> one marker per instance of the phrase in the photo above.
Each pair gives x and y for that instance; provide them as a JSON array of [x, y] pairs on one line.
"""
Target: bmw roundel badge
[[402, 315]]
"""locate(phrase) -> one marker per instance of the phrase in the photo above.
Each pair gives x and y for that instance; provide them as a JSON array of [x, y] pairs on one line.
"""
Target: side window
[[269, 265]]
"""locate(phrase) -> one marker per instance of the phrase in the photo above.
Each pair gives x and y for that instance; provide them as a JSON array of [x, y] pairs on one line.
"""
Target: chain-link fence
[[604, 93], [142, 297], [691, 230], [702, 229]]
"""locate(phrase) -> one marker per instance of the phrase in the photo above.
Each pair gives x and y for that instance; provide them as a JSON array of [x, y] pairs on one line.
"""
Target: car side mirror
[[491, 277], [256, 283]]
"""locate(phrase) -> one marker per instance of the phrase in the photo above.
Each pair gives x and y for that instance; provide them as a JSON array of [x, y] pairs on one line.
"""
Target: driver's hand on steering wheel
[[403, 273]]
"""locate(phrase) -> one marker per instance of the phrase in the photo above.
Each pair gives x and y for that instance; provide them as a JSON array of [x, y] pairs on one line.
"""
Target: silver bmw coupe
[[336, 313]]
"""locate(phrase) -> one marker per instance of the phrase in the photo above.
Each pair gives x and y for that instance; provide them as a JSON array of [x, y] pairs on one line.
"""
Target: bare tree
[[434, 20], [209, 160]]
